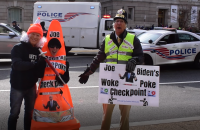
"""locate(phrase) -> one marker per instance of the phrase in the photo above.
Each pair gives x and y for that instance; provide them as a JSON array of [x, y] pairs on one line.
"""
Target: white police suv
[[170, 46]]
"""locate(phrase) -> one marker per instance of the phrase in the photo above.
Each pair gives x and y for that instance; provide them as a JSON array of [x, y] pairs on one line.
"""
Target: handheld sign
[[139, 88]]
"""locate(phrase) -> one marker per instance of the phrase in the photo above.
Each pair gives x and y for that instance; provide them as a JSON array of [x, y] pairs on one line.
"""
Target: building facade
[[140, 12]]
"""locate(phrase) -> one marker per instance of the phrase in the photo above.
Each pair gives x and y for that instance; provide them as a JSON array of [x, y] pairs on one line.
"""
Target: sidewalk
[[189, 123]]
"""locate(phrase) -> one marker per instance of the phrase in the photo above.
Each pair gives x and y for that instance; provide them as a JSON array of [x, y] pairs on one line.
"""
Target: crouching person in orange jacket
[[53, 106]]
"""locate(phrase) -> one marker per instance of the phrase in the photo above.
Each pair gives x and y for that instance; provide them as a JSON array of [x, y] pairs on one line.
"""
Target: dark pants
[[16, 98]]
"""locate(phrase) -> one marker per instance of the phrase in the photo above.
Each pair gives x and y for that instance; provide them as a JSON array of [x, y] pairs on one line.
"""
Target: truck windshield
[[145, 37], [108, 25]]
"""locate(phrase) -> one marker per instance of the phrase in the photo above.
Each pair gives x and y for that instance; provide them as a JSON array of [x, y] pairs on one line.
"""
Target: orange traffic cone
[[62, 117], [53, 106]]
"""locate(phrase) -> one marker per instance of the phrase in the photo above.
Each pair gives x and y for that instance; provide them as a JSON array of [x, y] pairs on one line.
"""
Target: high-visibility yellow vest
[[119, 55]]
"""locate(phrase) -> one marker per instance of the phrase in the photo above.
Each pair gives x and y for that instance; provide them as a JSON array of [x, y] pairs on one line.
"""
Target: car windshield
[[18, 33], [145, 37]]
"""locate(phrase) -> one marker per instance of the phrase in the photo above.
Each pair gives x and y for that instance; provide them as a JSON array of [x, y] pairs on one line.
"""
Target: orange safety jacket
[[54, 109]]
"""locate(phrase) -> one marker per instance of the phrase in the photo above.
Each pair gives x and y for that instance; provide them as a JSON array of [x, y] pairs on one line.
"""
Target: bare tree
[[187, 15]]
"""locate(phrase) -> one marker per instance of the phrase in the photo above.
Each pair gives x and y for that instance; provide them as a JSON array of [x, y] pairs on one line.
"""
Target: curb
[[98, 127]]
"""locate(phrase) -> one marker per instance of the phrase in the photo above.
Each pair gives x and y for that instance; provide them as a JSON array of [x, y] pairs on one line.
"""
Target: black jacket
[[66, 77], [24, 73], [44, 32], [101, 56], [17, 28]]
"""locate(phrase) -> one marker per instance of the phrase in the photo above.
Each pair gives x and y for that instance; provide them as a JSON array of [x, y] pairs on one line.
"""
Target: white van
[[81, 22]]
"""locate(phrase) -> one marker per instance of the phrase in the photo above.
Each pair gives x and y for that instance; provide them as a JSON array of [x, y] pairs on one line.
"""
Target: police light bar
[[91, 7], [170, 29], [106, 16]]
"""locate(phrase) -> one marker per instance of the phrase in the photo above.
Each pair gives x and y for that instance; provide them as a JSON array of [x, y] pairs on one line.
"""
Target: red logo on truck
[[72, 15]]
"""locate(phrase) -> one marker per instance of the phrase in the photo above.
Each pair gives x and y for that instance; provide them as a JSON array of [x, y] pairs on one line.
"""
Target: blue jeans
[[16, 98]]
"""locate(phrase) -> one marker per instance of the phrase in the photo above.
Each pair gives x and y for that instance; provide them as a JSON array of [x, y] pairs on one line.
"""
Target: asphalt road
[[179, 93]]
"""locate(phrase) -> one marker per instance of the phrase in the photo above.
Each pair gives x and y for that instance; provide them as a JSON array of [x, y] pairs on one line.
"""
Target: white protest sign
[[139, 88]]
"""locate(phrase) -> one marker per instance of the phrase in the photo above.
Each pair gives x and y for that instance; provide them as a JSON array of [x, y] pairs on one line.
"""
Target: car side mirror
[[11, 34], [150, 41], [161, 43]]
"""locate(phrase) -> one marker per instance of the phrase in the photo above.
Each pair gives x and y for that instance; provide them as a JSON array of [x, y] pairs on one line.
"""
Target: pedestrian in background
[[115, 43], [16, 27], [152, 27], [43, 28], [26, 69]]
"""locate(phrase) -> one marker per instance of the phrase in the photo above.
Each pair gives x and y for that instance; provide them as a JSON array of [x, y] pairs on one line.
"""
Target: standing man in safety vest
[[120, 47]]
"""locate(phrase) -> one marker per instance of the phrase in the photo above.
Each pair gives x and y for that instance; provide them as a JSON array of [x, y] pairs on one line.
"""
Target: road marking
[[78, 67], [98, 86], [180, 82], [6, 69], [85, 87], [5, 60], [4, 90], [84, 50], [69, 67], [68, 57]]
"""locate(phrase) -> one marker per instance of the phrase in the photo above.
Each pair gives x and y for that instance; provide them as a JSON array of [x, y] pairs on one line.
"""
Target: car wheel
[[148, 60], [197, 62]]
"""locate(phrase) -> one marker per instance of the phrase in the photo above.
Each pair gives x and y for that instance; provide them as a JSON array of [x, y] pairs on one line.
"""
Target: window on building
[[15, 14], [105, 10], [110, 12], [130, 13]]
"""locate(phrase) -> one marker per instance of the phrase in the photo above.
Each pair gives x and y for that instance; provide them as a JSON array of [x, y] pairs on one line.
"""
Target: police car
[[170, 46], [136, 31]]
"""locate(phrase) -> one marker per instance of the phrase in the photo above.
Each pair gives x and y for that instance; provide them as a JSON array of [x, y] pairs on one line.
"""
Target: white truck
[[81, 22]]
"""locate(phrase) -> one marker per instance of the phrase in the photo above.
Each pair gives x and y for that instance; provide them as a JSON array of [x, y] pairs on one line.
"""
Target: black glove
[[58, 79], [85, 76], [67, 65], [131, 64], [41, 63]]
